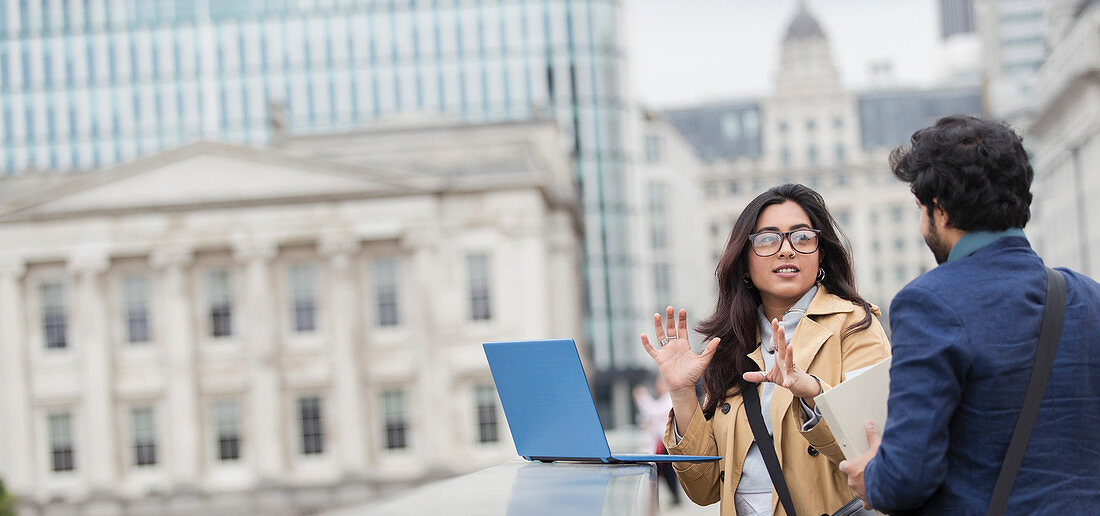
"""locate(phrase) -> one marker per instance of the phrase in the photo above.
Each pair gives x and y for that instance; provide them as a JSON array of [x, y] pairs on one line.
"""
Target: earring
[[821, 275], [748, 282]]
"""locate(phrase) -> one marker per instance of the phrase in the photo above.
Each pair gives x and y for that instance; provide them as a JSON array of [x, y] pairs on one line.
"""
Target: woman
[[788, 323]]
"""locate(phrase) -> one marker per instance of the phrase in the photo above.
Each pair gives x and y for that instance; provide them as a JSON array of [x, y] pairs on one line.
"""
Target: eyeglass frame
[[785, 235]]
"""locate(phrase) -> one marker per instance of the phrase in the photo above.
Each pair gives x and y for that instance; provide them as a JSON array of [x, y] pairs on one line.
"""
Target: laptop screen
[[546, 399]]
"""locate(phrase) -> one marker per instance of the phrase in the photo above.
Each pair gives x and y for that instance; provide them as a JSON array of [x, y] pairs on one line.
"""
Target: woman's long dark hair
[[735, 320]]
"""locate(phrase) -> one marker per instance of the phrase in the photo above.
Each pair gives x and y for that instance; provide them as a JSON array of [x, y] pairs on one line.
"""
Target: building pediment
[[206, 175]]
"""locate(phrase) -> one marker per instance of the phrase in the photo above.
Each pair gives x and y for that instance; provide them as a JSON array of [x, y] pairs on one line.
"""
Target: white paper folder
[[848, 406]]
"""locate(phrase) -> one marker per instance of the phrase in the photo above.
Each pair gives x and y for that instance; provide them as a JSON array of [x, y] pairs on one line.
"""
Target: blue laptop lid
[[546, 400]]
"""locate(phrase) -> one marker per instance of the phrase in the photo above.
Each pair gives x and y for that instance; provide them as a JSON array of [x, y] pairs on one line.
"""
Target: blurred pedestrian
[[654, 416]]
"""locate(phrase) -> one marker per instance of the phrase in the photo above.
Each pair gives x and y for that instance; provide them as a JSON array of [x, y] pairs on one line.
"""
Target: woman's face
[[786, 275]]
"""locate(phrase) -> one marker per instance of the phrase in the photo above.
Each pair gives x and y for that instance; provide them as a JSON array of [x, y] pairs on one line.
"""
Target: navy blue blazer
[[964, 336]]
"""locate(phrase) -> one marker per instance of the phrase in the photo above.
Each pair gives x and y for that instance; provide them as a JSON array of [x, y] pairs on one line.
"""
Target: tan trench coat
[[809, 459]]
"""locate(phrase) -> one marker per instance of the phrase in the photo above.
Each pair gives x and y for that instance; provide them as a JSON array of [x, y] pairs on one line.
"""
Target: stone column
[[265, 401], [16, 449], [442, 317], [347, 380], [175, 331], [90, 340]]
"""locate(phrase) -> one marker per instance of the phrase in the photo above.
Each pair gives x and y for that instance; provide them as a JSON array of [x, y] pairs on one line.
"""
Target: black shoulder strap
[[1049, 334], [767, 449]]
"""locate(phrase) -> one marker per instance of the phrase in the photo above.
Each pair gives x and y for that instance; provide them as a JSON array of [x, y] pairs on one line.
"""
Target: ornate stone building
[[221, 329]]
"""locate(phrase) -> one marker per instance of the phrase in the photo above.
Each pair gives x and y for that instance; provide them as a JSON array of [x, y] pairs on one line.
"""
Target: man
[[964, 337]]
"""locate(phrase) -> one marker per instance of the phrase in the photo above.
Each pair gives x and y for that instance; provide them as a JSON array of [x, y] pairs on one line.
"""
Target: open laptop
[[549, 408]]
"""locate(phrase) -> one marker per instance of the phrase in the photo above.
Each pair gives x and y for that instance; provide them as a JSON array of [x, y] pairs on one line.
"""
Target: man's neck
[[970, 242]]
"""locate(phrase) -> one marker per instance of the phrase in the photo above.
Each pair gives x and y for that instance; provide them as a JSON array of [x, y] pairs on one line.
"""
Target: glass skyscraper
[[86, 84]]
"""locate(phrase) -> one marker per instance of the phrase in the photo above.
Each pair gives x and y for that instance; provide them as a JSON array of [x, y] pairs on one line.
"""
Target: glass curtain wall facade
[[86, 84]]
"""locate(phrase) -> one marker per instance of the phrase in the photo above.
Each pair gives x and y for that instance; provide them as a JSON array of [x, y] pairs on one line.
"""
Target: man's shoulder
[[952, 285], [938, 281], [1081, 286]]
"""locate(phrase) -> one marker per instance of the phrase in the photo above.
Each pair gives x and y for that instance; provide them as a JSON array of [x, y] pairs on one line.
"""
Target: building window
[[219, 288], [485, 396], [54, 324], [843, 218], [810, 125], [145, 436], [653, 148], [895, 214], [311, 423], [61, 442], [782, 127], [899, 244], [661, 279], [303, 297], [750, 124], [393, 417], [784, 158], [658, 234], [656, 191], [227, 429], [841, 179], [135, 290], [731, 126], [385, 291], [899, 273], [477, 269], [733, 187], [840, 157], [811, 155]]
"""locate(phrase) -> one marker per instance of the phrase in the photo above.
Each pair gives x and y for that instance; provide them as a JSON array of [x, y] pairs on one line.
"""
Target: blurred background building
[[1065, 140], [812, 130], [1014, 37], [220, 328]]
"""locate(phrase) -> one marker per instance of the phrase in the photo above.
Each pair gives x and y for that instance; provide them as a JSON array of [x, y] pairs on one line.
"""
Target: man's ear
[[942, 214]]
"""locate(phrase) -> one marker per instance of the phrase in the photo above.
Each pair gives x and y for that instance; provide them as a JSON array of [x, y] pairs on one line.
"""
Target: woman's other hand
[[680, 366], [785, 372]]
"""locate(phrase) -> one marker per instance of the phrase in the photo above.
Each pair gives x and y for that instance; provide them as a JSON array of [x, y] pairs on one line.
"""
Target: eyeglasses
[[767, 243]]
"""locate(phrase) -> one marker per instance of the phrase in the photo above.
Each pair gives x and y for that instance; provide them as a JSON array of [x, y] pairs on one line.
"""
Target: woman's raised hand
[[785, 373], [680, 366]]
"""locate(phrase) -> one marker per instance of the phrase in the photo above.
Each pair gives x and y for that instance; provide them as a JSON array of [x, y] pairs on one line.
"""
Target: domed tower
[[811, 122], [806, 61]]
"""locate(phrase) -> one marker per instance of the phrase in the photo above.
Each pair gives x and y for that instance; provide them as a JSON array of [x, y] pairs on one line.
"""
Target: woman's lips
[[786, 271]]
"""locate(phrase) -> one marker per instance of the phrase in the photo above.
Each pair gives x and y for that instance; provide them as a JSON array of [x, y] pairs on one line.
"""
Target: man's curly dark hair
[[976, 170]]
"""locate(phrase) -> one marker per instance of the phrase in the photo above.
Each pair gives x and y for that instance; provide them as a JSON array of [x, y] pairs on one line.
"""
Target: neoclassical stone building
[[222, 329]]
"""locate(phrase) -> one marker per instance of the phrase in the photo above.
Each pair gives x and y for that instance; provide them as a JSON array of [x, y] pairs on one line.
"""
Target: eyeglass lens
[[769, 243]]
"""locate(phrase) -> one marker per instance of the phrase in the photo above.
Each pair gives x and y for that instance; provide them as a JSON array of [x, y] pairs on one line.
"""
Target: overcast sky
[[684, 52]]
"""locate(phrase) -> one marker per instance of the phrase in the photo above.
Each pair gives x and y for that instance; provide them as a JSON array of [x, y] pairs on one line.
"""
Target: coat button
[[812, 451], [721, 476], [725, 408]]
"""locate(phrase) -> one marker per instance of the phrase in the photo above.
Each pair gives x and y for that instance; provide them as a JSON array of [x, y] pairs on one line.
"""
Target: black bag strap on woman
[[1049, 334], [766, 447], [771, 460]]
